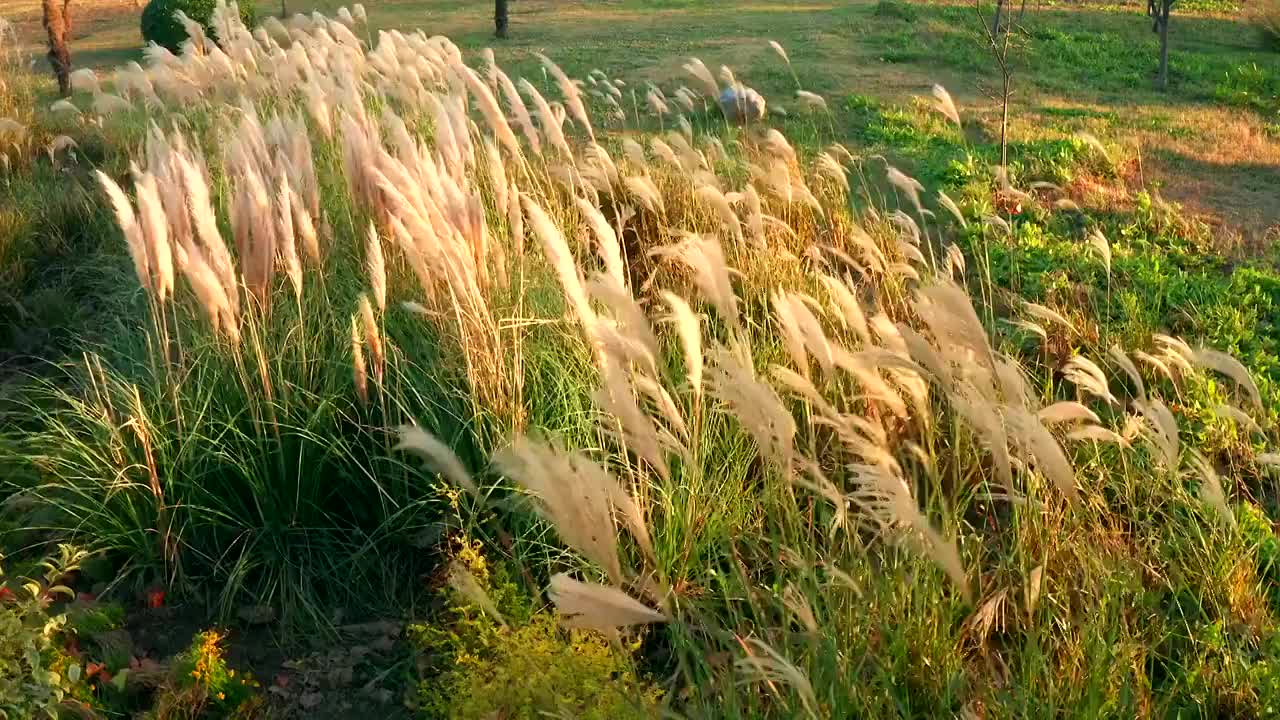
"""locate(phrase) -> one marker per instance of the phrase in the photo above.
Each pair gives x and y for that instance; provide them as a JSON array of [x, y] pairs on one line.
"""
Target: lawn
[[337, 378]]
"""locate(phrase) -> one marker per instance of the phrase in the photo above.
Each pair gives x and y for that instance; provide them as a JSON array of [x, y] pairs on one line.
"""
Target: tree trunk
[[995, 19], [500, 18], [284, 9], [57, 23], [1162, 77]]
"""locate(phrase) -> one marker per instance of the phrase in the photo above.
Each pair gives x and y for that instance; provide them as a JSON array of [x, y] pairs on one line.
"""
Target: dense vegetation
[[620, 406]]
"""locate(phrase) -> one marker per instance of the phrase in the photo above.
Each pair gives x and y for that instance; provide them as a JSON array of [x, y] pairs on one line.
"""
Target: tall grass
[[701, 391]]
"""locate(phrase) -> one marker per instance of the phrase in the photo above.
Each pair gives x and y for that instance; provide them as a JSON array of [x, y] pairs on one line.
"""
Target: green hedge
[[160, 26]]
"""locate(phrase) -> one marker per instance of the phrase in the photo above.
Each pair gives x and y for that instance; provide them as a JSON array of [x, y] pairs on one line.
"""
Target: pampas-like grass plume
[[1086, 375], [547, 119], [561, 259], [372, 336], [519, 111], [1225, 364], [1161, 429], [1211, 488], [756, 405], [376, 266], [811, 100], [1099, 243], [943, 103], [597, 607], [438, 456], [607, 240], [572, 493], [128, 222], [763, 664], [646, 192], [466, 585], [1066, 411], [886, 498], [358, 371], [571, 95], [490, 110], [689, 328], [705, 259], [155, 231], [702, 74], [781, 52]]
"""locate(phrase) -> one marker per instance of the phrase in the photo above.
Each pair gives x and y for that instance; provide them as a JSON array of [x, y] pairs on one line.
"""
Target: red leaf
[[85, 598], [155, 599], [93, 668]]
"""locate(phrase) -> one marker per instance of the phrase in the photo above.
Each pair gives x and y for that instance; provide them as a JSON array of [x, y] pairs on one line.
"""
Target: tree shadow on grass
[[1240, 194]]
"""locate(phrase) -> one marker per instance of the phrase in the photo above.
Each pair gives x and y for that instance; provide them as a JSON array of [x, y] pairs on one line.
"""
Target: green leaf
[[73, 673], [120, 680]]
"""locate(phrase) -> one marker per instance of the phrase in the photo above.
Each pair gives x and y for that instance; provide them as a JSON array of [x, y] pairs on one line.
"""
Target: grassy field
[[316, 374]]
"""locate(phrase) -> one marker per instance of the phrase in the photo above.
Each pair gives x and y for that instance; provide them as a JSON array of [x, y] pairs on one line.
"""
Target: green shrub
[[1252, 87], [477, 668], [36, 678], [161, 27]]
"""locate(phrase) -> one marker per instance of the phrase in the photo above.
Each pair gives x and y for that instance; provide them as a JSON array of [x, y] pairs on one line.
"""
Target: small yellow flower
[[222, 696], [195, 674], [231, 673]]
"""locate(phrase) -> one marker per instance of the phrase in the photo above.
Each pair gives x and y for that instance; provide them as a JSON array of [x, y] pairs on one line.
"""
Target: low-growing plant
[[37, 679], [202, 685], [513, 660]]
